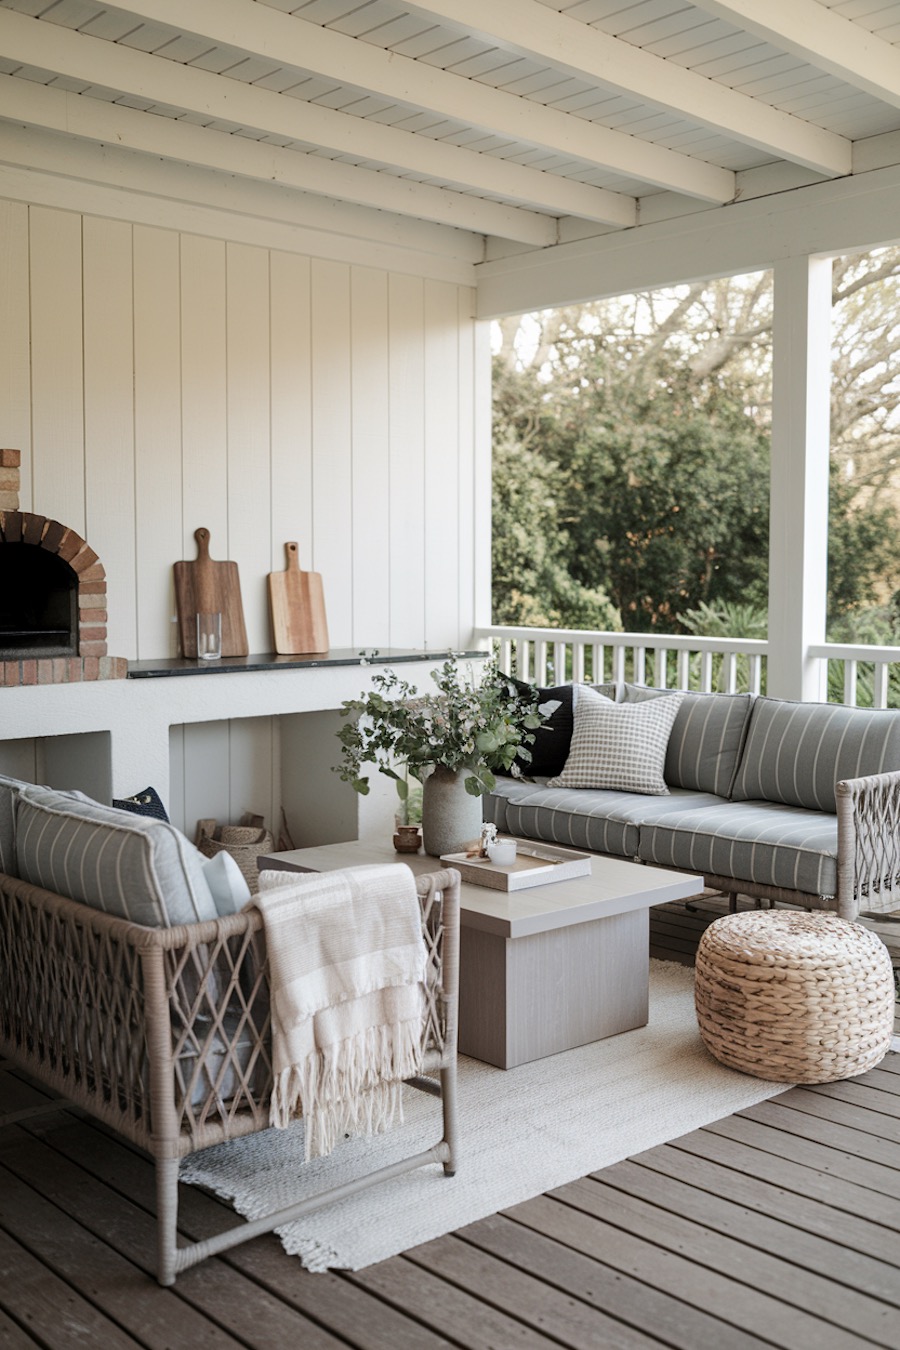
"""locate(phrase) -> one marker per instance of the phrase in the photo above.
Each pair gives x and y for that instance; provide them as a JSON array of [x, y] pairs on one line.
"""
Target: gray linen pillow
[[620, 746]]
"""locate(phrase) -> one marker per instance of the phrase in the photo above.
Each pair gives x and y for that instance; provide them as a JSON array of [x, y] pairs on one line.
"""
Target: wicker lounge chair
[[163, 1033]]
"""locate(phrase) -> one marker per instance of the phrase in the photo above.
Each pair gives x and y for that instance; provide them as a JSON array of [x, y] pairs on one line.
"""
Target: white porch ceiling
[[523, 120]]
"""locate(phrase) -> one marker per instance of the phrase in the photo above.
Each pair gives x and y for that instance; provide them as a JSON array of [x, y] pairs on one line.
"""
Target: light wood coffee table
[[542, 969]]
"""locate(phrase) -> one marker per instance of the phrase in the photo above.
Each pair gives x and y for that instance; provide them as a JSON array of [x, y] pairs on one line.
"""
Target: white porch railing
[[857, 674], [851, 673], [556, 655]]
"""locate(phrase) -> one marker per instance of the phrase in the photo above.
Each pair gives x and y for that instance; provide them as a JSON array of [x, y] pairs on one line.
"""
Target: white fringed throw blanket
[[346, 970]]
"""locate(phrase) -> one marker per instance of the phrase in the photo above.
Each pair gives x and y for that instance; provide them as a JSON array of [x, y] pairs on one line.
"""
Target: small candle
[[502, 852]]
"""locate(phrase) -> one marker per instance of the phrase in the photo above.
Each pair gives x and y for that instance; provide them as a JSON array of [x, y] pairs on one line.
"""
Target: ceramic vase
[[451, 817]]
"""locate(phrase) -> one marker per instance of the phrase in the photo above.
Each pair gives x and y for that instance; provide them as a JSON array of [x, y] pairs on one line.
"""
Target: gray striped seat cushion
[[772, 845], [706, 740], [506, 790], [132, 866], [796, 752], [591, 818]]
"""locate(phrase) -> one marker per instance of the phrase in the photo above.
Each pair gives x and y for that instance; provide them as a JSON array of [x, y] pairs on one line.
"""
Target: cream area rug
[[523, 1131]]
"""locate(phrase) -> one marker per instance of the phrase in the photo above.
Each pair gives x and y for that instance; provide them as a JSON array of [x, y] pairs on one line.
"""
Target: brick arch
[[27, 527], [72, 549]]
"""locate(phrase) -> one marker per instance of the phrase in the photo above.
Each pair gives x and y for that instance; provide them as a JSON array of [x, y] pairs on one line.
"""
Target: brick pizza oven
[[52, 597]]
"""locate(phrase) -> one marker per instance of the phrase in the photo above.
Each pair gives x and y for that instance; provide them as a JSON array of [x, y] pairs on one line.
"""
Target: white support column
[[482, 432], [798, 543]]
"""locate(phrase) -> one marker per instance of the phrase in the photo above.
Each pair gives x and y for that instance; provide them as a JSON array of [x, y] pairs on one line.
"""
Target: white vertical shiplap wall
[[157, 381]]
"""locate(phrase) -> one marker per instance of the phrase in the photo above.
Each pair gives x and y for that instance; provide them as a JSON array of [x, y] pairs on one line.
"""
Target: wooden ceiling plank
[[50, 109], [823, 38], [529, 27], [141, 75], [271, 33]]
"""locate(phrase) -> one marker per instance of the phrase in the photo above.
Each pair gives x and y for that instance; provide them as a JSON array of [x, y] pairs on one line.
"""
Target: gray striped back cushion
[[131, 866], [796, 752], [9, 791], [707, 738]]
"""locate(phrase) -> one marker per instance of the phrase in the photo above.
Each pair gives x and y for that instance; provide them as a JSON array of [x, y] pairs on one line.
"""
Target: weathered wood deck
[[779, 1226]]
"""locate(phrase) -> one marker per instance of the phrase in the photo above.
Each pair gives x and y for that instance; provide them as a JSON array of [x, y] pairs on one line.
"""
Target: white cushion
[[620, 746], [132, 866], [226, 881]]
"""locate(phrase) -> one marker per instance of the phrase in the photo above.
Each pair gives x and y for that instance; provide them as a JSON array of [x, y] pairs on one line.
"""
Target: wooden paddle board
[[205, 586], [297, 606]]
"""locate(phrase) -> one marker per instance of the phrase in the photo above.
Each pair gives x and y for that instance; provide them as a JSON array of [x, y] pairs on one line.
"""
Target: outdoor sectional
[[796, 802]]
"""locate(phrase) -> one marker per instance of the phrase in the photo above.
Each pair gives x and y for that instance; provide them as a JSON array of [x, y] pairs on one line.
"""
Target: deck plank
[[735, 1304], [829, 1162], [14, 1337], [842, 1139], [157, 1317], [767, 1197], [585, 1276], [469, 1259], [759, 1153], [848, 1288], [324, 1301], [447, 1307], [869, 1113], [219, 1299], [50, 1308]]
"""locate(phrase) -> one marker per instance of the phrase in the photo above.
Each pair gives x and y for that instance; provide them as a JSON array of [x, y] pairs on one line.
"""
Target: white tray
[[535, 865]]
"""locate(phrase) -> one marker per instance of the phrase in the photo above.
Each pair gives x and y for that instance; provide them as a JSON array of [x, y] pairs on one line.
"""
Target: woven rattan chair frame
[[164, 1034]]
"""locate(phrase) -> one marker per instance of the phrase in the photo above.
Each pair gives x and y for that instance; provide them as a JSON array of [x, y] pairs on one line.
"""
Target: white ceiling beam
[[818, 35], [532, 30], [48, 109], [108, 64], [289, 39]]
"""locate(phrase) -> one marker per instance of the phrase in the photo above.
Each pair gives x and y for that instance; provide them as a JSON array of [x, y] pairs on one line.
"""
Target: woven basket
[[245, 842], [797, 998]]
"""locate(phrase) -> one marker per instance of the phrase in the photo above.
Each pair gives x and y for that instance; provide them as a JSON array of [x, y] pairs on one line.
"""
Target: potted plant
[[452, 740]]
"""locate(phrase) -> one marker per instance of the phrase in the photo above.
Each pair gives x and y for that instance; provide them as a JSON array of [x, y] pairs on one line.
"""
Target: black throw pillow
[[550, 747], [146, 803]]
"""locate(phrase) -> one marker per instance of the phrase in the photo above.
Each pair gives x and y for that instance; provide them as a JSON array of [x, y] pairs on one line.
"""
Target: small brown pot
[[407, 839]]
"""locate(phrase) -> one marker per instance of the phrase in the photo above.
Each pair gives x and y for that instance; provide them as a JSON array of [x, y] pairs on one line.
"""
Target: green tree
[[532, 581], [645, 419]]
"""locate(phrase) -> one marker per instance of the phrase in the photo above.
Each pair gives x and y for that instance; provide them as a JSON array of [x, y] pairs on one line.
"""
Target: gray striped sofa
[[796, 802]]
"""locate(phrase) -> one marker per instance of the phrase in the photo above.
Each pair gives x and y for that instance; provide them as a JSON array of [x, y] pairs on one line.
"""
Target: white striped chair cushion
[[796, 752], [132, 866], [772, 845]]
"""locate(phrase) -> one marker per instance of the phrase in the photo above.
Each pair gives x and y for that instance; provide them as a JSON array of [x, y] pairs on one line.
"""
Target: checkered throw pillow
[[619, 746]]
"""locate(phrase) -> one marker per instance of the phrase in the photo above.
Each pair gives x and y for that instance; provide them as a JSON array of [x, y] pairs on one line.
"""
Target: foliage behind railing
[[855, 674]]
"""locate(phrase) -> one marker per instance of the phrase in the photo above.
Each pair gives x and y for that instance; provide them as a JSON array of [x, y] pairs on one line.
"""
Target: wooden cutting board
[[205, 586], [297, 606]]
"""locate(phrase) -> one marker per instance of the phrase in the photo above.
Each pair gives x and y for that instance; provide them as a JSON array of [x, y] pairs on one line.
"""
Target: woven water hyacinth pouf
[[797, 998]]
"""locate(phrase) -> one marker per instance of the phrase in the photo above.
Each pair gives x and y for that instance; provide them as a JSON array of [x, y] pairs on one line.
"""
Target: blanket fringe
[[355, 1084]]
